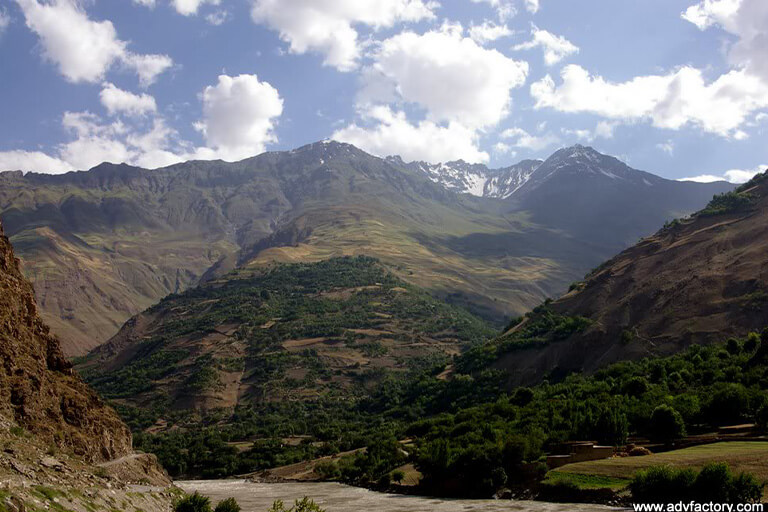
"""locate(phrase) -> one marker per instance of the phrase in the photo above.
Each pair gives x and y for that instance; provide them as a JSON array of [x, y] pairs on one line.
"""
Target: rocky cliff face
[[38, 389]]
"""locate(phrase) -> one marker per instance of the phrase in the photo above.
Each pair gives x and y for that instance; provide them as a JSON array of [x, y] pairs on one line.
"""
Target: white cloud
[[190, 7], [669, 101], [532, 6], [457, 88], [605, 130], [504, 8], [502, 148], [450, 76], [667, 147], [556, 48], [84, 49], [217, 18], [327, 26], [732, 175], [28, 161], [746, 19], [704, 178], [116, 100], [522, 139], [392, 134], [146, 3], [239, 116], [5, 20], [148, 67], [488, 32]]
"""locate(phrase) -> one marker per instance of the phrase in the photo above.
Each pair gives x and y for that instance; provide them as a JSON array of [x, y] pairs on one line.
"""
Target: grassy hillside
[[290, 332]]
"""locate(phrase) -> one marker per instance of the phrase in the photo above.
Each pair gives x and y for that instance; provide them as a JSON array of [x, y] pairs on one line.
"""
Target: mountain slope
[[55, 429], [475, 179], [105, 244], [38, 389], [296, 332], [696, 281]]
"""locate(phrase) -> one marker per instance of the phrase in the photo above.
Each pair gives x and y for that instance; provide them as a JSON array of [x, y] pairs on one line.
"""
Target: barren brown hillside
[[698, 280]]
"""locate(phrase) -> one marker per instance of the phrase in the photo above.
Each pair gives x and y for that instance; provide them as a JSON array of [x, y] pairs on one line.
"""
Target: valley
[[103, 245]]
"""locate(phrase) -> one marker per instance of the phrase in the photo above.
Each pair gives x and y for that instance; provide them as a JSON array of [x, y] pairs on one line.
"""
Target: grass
[[746, 456], [586, 481]]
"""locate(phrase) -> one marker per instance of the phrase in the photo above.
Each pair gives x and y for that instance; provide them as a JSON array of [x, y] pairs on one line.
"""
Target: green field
[[746, 456], [585, 481]]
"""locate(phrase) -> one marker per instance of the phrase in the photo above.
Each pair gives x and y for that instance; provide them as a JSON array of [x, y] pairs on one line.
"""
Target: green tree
[[227, 505], [193, 503], [666, 424], [398, 476]]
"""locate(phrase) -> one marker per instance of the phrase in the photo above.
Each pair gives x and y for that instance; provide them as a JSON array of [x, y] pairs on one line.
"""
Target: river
[[257, 497]]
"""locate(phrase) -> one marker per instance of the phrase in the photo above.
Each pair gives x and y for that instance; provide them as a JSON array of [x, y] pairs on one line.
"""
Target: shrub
[[714, 483], [666, 424], [193, 503], [398, 476], [227, 505], [303, 505]]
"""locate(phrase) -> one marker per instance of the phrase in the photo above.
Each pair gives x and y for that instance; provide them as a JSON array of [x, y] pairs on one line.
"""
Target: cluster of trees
[[470, 450], [538, 327], [370, 467], [714, 483]]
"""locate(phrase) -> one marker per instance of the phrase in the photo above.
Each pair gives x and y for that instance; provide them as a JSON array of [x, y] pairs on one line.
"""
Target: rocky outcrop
[[39, 391]]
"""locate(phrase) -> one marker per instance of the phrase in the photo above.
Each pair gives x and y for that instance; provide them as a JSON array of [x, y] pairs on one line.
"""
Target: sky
[[675, 87]]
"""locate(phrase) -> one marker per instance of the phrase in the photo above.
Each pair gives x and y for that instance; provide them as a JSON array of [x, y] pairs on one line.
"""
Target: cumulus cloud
[[328, 26], [556, 48], [84, 49], [732, 175], [190, 7], [27, 161], [745, 19], [520, 138], [116, 101], [671, 101], [488, 31], [452, 77], [504, 8], [390, 133], [459, 87], [532, 6], [239, 116]]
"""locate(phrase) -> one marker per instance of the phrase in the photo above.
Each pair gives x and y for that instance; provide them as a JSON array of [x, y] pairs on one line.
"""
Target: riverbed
[[258, 497]]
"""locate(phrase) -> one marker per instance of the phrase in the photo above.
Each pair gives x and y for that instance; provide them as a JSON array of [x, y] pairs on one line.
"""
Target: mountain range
[[696, 281], [105, 244]]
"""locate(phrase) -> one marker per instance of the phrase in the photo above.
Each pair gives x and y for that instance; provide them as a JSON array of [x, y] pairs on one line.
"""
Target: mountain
[[290, 332], [105, 244], [475, 179], [696, 281], [53, 427]]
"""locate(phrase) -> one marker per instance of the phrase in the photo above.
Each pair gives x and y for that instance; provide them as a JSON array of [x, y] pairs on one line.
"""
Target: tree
[[227, 505], [398, 476], [666, 424], [193, 503]]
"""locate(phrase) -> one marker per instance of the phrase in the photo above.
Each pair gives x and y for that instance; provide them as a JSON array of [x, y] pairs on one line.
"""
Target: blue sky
[[675, 87]]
